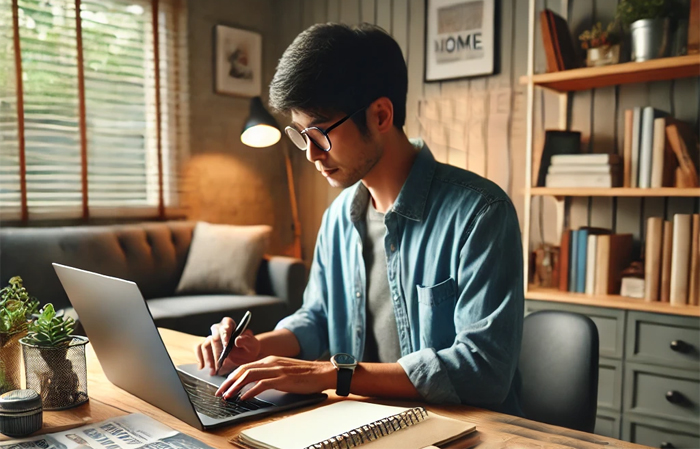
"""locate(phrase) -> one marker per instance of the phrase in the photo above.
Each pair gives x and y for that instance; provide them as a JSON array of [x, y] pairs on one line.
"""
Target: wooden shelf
[[616, 192], [625, 73], [610, 301]]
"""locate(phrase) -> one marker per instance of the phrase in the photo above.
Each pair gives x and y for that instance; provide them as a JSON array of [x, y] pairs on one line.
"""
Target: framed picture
[[459, 39], [237, 62]]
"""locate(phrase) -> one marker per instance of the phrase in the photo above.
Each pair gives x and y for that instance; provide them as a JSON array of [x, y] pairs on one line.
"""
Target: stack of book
[[592, 260], [584, 170], [672, 260], [659, 151]]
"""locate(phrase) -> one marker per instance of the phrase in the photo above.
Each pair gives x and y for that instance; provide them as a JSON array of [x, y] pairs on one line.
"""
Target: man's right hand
[[247, 348]]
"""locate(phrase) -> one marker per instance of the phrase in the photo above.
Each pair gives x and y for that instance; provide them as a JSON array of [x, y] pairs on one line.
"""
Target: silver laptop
[[132, 354]]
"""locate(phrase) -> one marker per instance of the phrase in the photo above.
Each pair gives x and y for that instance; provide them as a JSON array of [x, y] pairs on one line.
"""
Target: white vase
[[605, 55]]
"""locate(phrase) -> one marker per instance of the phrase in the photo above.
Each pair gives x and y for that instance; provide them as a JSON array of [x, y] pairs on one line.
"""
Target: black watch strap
[[344, 378]]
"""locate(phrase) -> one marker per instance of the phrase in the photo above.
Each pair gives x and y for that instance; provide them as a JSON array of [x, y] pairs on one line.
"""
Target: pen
[[242, 326]]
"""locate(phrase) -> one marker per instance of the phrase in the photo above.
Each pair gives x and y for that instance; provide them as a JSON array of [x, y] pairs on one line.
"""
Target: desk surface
[[496, 430]]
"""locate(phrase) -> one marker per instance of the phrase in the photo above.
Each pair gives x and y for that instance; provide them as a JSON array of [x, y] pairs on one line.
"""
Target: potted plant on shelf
[[16, 308], [602, 46], [650, 24], [54, 360]]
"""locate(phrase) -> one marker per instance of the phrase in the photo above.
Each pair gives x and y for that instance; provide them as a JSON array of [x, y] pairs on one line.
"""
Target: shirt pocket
[[436, 307]]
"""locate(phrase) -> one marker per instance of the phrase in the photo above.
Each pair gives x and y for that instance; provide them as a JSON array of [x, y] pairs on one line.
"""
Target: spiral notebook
[[354, 424]]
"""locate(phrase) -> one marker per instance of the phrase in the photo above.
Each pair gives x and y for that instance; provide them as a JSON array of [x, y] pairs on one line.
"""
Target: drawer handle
[[666, 445], [680, 346], [675, 397]]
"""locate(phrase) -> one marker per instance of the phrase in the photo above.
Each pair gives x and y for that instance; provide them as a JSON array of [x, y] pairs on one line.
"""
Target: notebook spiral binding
[[373, 431]]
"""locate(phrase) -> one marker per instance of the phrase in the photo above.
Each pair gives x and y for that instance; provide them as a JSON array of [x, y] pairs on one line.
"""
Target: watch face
[[344, 360]]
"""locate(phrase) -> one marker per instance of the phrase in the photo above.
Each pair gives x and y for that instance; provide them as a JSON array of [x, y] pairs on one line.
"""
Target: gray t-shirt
[[382, 338]]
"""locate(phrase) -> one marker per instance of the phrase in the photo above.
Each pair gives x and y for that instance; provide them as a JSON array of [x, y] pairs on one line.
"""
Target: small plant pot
[[59, 374], [11, 361], [605, 55], [651, 39]]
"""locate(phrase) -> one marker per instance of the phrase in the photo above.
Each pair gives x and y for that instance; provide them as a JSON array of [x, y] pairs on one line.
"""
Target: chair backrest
[[559, 369]]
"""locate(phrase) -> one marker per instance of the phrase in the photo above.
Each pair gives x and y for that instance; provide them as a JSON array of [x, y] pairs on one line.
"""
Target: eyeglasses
[[315, 134]]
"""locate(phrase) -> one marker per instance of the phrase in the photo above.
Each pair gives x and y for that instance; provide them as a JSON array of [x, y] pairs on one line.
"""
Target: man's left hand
[[279, 373]]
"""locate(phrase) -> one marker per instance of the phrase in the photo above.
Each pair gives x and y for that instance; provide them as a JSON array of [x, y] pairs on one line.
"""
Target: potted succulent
[[650, 25], [16, 308], [602, 46], [54, 360]]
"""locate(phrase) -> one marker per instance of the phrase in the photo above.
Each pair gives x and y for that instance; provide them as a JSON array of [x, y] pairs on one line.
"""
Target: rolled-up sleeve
[[309, 324], [478, 369]]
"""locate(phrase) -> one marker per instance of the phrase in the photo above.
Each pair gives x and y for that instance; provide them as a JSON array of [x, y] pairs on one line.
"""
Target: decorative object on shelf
[[632, 284], [546, 266], [262, 130], [558, 43], [238, 62], [684, 143], [556, 142], [694, 28], [602, 46], [650, 23], [16, 308], [21, 413], [460, 39], [54, 360]]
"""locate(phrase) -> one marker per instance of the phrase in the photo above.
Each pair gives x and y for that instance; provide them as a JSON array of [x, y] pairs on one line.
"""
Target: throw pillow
[[224, 259]]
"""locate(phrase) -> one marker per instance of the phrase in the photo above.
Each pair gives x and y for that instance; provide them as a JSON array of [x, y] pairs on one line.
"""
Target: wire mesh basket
[[59, 375], [11, 361]]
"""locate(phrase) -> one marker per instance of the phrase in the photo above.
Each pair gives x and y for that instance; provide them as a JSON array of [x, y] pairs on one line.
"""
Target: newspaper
[[134, 431]]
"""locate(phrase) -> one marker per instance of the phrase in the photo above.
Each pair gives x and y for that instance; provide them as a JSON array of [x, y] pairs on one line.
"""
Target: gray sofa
[[153, 255]]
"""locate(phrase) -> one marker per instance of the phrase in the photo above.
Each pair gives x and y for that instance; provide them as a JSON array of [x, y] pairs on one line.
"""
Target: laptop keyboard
[[202, 396]]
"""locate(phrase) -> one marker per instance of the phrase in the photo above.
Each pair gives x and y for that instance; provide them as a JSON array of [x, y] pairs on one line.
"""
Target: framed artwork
[[459, 39], [237, 62]]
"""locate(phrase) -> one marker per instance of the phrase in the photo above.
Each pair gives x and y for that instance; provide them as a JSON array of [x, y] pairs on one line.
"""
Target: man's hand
[[279, 373], [247, 347]]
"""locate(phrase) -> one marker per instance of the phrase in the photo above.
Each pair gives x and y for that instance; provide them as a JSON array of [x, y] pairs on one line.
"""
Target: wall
[[480, 123], [226, 181]]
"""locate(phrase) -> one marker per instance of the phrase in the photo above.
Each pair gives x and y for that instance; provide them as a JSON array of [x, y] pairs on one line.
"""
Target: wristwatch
[[345, 365]]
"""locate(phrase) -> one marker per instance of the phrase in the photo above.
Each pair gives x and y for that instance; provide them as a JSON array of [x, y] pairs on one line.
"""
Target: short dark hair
[[333, 68]]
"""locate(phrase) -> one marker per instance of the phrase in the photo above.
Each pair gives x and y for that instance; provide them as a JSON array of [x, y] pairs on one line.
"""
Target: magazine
[[134, 431]]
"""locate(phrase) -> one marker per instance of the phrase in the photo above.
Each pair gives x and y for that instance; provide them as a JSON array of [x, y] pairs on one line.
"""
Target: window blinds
[[105, 137]]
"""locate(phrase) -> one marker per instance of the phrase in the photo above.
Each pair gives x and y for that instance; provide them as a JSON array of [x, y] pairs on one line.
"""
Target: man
[[417, 271]]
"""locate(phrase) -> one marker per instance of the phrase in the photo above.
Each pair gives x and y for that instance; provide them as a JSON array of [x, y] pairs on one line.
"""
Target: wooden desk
[[496, 430]]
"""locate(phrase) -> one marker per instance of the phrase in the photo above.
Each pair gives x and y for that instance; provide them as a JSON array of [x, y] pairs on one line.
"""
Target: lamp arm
[[293, 202]]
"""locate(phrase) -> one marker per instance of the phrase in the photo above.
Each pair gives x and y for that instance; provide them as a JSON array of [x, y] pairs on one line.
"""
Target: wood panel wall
[[479, 123]]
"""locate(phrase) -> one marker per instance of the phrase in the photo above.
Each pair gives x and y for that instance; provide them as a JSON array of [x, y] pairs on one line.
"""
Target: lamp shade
[[260, 129]]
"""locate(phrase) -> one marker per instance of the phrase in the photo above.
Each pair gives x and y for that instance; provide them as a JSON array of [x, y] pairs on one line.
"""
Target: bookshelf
[[581, 79], [613, 75]]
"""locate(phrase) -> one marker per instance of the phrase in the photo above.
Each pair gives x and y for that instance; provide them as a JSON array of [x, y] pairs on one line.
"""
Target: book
[[665, 293], [581, 180], [694, 289], [573, 259], [582, 169], [564, 257], [636, 130], [680, 259], [649, 114], [556, 36], [377, 426], [662, 170], [627, 150], [590, 264], [585, 159], [613, 255], [682, 141], [694, 28], [582, 255], [556, 143], [652, 258]]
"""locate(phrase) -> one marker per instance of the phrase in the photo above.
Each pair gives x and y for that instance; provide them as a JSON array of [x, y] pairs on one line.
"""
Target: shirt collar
[[413, 195]]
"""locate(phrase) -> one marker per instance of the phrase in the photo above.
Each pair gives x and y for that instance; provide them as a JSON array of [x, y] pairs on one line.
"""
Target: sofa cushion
[[224, 259]]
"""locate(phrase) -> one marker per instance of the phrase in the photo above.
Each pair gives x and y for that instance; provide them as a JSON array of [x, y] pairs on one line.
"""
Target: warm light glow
[[261, 136]]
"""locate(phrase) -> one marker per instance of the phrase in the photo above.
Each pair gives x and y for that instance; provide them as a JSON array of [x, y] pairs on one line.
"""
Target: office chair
[[559, 369]]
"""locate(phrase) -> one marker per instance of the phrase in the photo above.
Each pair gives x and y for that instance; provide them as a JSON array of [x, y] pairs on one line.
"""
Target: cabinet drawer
[[607, 424], [648, 387], [659, 433], [610, 323], [664, 340], [610, 384]]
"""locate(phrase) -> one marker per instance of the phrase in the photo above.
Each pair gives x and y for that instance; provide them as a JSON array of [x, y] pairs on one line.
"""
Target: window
[[122, 154]]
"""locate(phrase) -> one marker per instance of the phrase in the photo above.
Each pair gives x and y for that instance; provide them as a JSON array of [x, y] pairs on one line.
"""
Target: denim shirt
[[454, 262]]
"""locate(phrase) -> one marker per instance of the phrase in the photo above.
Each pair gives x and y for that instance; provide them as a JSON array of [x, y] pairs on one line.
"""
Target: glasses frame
[[325, 132]]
